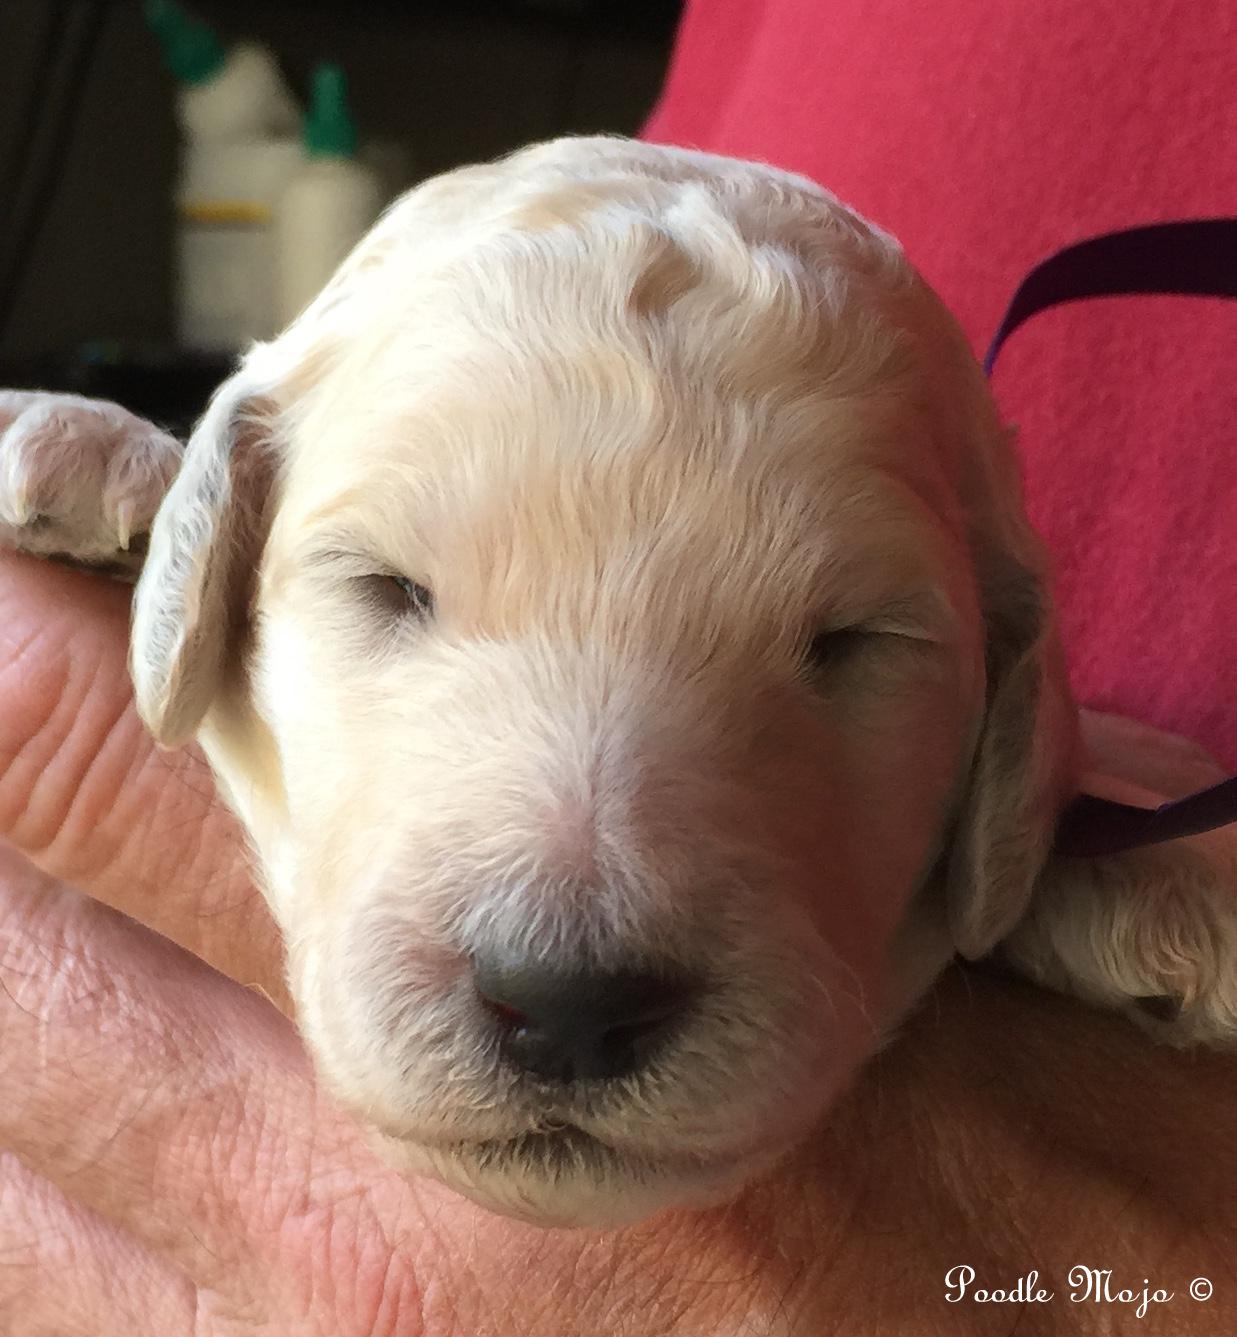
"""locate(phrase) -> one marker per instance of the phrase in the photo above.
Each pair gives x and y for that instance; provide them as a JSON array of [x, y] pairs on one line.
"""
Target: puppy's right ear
[[193, 603]]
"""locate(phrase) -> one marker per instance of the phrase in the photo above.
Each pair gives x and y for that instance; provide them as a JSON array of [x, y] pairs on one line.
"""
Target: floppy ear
[[1023, 769], [191, 612], [1024, 764], [194, 599]]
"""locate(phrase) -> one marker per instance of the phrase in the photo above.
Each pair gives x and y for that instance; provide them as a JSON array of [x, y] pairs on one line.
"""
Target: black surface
[[166, 386], [651, 19]]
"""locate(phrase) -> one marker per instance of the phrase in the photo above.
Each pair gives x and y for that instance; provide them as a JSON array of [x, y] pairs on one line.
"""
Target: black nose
[[566, 1027]]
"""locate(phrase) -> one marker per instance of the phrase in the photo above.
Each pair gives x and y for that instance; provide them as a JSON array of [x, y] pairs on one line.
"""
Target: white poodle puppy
[[610, 609]]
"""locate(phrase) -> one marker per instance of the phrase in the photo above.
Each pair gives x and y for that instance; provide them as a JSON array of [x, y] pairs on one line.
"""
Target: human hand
[[167, 1165]]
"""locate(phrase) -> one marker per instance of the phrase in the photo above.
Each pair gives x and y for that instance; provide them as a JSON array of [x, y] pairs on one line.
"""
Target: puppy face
[[595, 646]]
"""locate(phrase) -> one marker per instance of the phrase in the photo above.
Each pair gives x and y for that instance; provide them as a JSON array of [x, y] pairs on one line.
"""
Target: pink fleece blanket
[[986, 136]]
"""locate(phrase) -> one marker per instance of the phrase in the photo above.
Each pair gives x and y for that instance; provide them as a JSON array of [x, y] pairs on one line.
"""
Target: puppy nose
[[566, 1027]]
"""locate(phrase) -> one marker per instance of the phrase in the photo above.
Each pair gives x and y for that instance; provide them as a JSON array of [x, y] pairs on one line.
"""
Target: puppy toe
[[1150, 933], [79, 478]]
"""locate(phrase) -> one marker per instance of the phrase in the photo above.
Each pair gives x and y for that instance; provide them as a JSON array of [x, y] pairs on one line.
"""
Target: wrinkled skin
[[167, 1167]]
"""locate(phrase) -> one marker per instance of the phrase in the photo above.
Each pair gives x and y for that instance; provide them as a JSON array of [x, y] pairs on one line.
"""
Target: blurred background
[[91, 154]]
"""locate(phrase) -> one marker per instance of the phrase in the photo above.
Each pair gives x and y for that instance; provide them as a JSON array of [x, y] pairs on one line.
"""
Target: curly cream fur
[[646, 422]]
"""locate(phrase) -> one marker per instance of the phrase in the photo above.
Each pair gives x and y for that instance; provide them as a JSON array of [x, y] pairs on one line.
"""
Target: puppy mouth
[[566, 1152], [558, 1175], [551, 1152]]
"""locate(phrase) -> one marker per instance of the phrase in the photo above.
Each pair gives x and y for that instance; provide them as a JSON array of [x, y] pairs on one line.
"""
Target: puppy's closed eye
[[399, 596], [831, 649], [835, 652]]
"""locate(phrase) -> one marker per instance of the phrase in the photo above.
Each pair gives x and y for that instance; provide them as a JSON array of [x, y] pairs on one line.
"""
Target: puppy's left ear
[[193, 603], [1023, 769], [1024, 766]]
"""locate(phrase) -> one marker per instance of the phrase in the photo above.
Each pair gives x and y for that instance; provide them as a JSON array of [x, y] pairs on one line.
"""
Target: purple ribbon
[[1092, 826], [1195, 258]]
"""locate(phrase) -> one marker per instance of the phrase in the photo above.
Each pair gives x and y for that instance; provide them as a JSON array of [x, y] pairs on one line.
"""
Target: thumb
[[88, 798]]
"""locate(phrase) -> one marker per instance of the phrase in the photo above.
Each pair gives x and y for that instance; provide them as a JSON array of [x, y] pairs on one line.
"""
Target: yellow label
[[236, 212]]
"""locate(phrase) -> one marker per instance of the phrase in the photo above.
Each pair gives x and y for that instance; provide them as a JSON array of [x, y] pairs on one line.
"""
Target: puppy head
[[603, 612]]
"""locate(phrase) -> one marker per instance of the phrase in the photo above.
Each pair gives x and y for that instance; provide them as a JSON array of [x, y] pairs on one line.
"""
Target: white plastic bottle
[[226, 201], [329, 204], [240, 126], [224, 93]]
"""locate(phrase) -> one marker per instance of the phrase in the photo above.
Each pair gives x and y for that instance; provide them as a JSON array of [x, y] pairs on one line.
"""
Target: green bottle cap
[[330, 130], [190, 49]]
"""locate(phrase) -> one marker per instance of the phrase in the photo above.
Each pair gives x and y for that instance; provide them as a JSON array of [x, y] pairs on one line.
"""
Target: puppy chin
[[569, 1180]]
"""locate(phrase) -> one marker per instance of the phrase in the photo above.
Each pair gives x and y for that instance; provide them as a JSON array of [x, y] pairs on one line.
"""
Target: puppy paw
[[1151, 933], [80, 479]]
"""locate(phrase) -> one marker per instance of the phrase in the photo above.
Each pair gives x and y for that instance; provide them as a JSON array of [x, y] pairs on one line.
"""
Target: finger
[[166, 1100], [1159, 762], [159, 1095], [85, 793], [65, 1270]]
